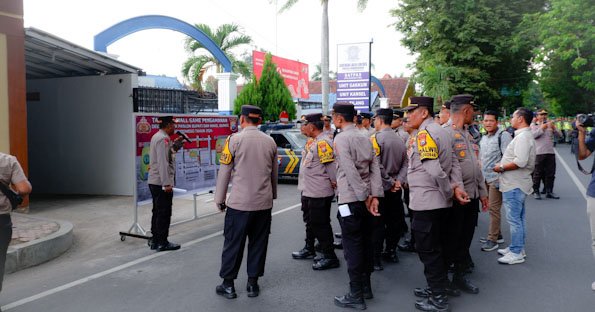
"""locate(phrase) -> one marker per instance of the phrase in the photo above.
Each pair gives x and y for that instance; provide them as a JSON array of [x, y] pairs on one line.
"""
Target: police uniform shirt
[[433, 168], [318, 168], [330, 133], [544, 139], [249, 162], [400, 131], [161, 160], [10, 173], [304, 154], [358, 173], [468, 156], [393, 157]]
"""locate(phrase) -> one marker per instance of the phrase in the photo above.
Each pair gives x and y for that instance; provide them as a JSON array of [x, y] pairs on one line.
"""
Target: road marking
[[118, 268], [576, 181]]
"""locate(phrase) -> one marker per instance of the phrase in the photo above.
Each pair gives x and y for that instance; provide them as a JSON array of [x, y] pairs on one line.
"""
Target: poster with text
[[353, 75], [196, 162], [294, 73]]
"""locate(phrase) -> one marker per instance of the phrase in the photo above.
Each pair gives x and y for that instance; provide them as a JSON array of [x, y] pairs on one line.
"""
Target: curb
[[41, 250]]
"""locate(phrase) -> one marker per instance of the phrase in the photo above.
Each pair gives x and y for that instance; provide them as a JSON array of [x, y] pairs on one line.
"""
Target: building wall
[[13, 118], [81, 135]]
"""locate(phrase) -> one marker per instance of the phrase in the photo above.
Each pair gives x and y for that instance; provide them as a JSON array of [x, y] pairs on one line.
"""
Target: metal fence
[[153, 100]]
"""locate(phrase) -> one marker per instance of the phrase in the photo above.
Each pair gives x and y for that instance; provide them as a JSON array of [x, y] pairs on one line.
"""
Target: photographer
[[10, 173], [585, 148]]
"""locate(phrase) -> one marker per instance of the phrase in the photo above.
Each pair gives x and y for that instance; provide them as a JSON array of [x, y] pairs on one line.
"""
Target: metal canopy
[[47, 56]]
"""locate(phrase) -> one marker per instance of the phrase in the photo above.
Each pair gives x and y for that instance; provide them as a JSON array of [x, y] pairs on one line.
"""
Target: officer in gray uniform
[[317, 182], [161, 182], [434, 178], [544, 132], [463, 217], [367, 124], [359, 186], [445, 115], [392, 154], [249, 162], [11, 173]]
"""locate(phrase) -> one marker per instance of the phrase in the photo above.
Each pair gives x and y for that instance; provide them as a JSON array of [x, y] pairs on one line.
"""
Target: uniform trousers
[[316, 213], [462, 221], [429, 228], [357, 241], [5, 237], [239, 225], [545, 169], [161, 219], [389, 226]]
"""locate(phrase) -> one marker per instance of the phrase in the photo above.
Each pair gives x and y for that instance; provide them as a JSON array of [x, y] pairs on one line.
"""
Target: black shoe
[[318, 258], [168, 246], [378, 264], [253, 290], [406, 246], [339, 235], [227, 292], [306, 253], [325, 264], [552, 196], [349, 301], [425, 292], [536, 195], [152, 244], [465, 285], [438, 303], [338, 245], [390, 256]]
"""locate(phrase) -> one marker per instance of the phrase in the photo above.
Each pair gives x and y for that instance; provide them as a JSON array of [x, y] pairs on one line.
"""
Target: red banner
[[294, 73]]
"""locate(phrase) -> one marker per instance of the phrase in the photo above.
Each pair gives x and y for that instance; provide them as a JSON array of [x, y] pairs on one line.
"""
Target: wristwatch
[[501, 168]]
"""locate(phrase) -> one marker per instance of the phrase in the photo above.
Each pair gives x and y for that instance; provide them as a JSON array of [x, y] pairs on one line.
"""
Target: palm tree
[[361, 5], [437, 81], [317, 75], [227, 37]]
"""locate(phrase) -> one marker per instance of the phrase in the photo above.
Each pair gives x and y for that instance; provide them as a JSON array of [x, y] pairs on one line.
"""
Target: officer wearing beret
[[367, 124], [463, 216], [317, 183], [397, 125], [434, 178], [249, 162], [359, 186], [328, 130], [161, 182], [544, 132], [392, 154]]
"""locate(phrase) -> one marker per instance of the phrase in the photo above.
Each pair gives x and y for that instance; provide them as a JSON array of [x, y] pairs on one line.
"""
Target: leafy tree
[[361, 4], [227, 37], [269, 93], [474, 41]]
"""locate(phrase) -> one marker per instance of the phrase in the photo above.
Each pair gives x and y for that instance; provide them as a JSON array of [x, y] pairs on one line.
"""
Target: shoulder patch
[[375, 144], [426, 146], [226, 157], [325, 152]]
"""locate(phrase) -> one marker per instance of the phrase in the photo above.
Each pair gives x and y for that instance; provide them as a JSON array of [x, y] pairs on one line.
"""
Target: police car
[[290, 143]]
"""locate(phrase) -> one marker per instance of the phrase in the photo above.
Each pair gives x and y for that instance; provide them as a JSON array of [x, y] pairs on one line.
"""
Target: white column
[[228, 92]]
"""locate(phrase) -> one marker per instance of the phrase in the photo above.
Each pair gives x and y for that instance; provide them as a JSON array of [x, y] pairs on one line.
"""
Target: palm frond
[[288, 5], [236, 41]]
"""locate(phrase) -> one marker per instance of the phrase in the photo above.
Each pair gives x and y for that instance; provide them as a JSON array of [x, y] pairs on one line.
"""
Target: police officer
[[544, 132], [463, 216], [397, 125], [434, 179], [392, 154], [367, 124], [161, 181], [328, 130], [444, 120], [317, 182], [249, 162], [359, 185]]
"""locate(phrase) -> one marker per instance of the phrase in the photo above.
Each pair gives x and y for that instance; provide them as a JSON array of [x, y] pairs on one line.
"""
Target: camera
[[585, 120]]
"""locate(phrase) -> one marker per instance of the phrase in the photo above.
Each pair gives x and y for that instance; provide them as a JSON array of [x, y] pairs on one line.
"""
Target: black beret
[[397, 114], [166, 120], [314, 117], [446, 105], [366, 115], [343, 108], [420, 101], [251, 111], [462, 99], [384, 112]]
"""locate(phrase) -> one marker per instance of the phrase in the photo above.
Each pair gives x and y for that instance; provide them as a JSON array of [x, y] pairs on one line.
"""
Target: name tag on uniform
[[344, 210]]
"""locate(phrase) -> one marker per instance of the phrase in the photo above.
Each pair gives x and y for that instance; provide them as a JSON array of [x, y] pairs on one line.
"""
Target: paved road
[[125, 276]]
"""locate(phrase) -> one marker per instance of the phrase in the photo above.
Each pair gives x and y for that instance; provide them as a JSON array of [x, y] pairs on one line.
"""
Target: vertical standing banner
[[196, 163], [294, 73], [353, 74]]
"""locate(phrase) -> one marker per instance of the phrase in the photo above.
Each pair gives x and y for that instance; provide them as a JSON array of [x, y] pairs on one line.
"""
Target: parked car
[[290, 143]]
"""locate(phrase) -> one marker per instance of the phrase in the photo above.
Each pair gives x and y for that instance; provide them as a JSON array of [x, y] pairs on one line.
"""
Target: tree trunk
[[325, 58]]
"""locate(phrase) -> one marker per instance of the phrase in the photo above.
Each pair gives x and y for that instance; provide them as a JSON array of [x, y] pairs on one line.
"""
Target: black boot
[[226, 289], [463, 283], [327, 261], [367, 288], [390, 255], [424, 292], [353, 299], [435, 303], [306, 253]]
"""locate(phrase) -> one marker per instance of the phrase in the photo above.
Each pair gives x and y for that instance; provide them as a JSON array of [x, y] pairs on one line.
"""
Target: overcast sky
[[294, 34]]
